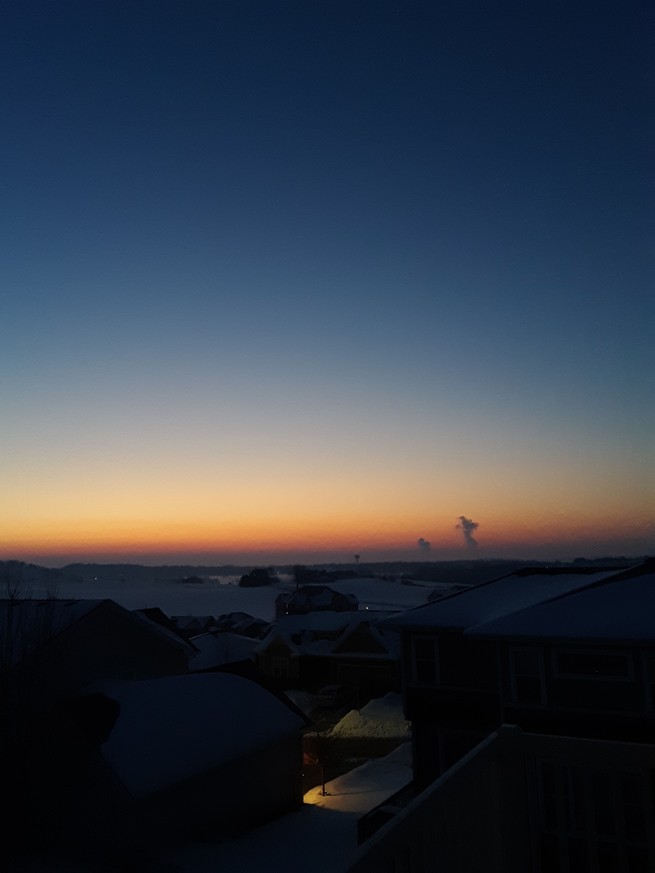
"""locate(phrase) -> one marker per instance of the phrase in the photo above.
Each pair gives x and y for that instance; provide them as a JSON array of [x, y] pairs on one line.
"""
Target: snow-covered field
[[222, 595]]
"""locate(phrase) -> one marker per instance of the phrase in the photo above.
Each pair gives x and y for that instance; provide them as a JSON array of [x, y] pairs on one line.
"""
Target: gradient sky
[[294, 280]]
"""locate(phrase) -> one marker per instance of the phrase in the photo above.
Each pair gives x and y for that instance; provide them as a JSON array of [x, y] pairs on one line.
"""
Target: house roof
[[215, 649], [326, 621], [31, 624], [621, 609], [388, 641], [299, 632], [314, 595], [174, 728], [496, 598], [27, 625]]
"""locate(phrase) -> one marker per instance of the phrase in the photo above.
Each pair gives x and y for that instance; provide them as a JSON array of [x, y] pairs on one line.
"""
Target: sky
[[296, 281]]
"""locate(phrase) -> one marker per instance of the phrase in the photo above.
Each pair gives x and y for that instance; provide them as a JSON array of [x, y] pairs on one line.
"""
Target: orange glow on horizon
[[324, 535]]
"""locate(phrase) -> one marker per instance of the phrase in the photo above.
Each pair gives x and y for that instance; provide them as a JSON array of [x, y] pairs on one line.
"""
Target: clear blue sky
[[308, 278]]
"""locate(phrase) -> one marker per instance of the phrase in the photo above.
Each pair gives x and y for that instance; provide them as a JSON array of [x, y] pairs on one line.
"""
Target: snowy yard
[[221, 595], [320, 838]]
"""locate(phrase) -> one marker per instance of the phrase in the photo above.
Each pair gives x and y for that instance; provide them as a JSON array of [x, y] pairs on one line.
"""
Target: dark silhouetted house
[[367, 657], [451, 692], [154, 613], [192, 625], [295, 653], [165, 759], [312, 598], [243, 623], [57, 647], [567, 783], [581, 665], [306, 651], [51, 651]]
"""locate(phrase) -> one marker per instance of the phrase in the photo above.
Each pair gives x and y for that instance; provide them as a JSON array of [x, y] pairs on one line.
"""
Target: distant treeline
[[466, 572]]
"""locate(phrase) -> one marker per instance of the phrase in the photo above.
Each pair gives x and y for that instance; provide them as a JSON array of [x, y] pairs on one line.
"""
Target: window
[[425, 661], [527, 676], [610, 666]]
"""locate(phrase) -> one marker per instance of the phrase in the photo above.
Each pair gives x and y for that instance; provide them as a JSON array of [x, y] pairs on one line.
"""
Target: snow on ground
[[366, 786], [177, 598], [381, 718], [220, 595], [321, 837], [387, 594]]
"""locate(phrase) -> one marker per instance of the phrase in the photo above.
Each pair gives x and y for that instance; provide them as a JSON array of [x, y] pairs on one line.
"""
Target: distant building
[[311, 598]]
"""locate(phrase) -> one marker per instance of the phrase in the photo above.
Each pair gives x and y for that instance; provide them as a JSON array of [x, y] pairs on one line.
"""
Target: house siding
[[239, 794], [523, 802]]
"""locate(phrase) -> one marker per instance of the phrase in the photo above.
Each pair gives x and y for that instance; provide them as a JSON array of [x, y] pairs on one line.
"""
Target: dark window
[[595, 665], [527, 675], [425, 660]]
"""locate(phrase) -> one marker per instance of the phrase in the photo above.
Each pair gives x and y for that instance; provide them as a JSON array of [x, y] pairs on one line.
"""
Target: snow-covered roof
[[621, 611], [191, 622], [215, 649], [302, 643], [174, 728], [388, 640], [327, 621], [300, 632], [496, 598]]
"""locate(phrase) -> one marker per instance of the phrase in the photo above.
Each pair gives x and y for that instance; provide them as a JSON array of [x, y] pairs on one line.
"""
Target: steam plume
[[467, 527]]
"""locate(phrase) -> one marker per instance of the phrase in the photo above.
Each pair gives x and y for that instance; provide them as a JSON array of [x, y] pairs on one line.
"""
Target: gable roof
[[215, 649], [323, 621], [385, 645], [35, 623], [27, 625], [315, 633], [172, 729], [619, 609], [315, 597], [498, 597]]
